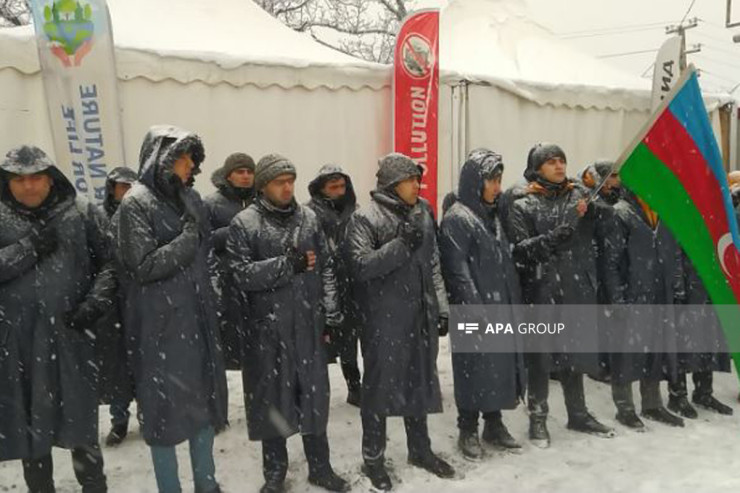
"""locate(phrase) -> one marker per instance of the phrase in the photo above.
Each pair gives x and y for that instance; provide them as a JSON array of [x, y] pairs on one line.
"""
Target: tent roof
[[161, 40], [235, 42]]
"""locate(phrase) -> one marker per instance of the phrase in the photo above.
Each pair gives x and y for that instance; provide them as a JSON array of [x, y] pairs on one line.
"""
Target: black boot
[[585, 423], [469, 445], [630, 420], [433, 464], [354, 395], [709, 402], [378, 476], [680, 405], [329, 481], [496, 434], [117, 435], [274, 465], [661, 415], [538, 434]]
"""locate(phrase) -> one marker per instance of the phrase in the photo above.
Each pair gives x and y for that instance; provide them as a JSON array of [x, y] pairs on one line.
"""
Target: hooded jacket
[[171, 313], [48, 395], [478, 270]]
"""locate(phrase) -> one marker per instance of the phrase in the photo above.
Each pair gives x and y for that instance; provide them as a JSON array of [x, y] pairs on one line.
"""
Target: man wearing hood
[[333, 200], [393, 256], [115, 383], [56, 281], [552, 232], [478, 270], [607, 238], [234, 182], [171, 313], [282, 266]]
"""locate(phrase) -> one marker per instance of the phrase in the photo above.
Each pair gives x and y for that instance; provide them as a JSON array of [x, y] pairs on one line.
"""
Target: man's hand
[[581, 207]]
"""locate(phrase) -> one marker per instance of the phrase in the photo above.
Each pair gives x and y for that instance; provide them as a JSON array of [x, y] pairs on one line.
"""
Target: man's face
[[280, 190], [31, 190], [119, 190], [241, 178], [183, 167], [612, 183], [408, 190], [491, 189], [335, 188], [553, 170]]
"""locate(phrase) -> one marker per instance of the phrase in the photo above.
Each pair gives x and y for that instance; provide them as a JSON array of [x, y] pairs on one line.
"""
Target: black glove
[[443, 325], [44, 240], [297, 260], [192, 212], [560, 234], [81, 318], [412, 235]]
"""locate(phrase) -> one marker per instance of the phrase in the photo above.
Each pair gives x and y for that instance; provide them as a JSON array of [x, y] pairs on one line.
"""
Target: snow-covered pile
[[703, 457]]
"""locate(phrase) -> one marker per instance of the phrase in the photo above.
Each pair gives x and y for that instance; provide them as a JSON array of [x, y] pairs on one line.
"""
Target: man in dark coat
[[693, 326], [478, 270], [607, 239], [234, 182], [116, 382], [394, 259], [552, 232], [171, 317], [648, 270], [55, 282], [282, 265], [333, 200]]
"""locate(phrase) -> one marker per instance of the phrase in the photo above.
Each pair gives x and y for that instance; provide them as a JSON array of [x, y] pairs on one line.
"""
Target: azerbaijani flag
[[675, 166]]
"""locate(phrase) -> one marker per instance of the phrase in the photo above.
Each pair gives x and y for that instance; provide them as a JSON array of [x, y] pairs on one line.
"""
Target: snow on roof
[[183, 39], [236, 42]]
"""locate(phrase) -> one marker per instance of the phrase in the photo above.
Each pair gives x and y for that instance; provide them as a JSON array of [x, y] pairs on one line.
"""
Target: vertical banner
[[75, 45], [416, 95], [667, 69]]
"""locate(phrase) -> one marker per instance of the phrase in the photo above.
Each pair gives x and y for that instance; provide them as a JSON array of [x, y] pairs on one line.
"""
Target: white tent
[[245, 82]]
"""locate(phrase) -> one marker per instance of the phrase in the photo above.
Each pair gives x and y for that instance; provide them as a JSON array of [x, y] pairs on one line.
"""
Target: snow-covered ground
[[704, 456]]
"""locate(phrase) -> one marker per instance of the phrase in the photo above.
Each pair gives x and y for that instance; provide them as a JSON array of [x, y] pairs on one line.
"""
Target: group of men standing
[[158, 292]]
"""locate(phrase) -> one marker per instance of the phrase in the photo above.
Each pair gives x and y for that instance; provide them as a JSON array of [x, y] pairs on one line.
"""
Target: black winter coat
[[48, 394], [401, 295], [286, 383], [171, 315], [478, 270]]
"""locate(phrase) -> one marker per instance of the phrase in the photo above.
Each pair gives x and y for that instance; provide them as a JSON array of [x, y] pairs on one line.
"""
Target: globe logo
[[417, 57], [69, 28]]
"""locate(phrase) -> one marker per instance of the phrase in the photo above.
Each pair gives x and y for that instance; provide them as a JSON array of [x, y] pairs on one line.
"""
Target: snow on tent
[[245, 82]]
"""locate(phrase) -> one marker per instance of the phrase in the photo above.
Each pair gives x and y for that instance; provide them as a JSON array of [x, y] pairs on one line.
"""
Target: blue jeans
[[201, 460]]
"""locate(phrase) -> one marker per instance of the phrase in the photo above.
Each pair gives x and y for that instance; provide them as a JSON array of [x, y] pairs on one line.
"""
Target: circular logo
[[417, 56]]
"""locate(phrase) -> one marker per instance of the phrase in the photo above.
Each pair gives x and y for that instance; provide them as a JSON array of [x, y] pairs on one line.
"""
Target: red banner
[[416, 95]]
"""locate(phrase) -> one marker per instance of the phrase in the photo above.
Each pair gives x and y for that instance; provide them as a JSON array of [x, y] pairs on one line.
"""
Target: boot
[[496, 434], [330, 482], [469, 445], [538, 434], [433, 464], [680, 405], [354, 396], [117, 435], [661, 415], [588, 424], [709, 402], [378, 476], [630, 420]]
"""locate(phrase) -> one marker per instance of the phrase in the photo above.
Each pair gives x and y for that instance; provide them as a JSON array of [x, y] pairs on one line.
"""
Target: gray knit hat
[[236, 161], [394, 168], [270, 167]]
